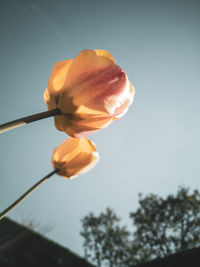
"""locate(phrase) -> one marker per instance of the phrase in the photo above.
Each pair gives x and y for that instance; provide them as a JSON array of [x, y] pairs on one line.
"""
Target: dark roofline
[[187, 258], [20, 246]]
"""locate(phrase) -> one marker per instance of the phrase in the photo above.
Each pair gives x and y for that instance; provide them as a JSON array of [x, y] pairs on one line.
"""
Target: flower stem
[[22, 121], [27, 193]]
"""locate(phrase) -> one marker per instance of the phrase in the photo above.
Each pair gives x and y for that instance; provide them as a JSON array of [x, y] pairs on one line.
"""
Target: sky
[[154, 148]]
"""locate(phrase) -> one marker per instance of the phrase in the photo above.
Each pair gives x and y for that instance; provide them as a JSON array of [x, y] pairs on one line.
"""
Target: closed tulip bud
[[75, 156], [90, 91]]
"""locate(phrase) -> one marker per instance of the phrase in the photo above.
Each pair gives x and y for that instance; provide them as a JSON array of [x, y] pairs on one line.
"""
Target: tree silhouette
[[105, 241], [162, 226], [166, 226]]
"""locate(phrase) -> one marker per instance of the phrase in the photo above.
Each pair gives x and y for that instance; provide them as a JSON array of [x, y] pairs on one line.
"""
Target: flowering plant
[[90, 91], [85, 95]]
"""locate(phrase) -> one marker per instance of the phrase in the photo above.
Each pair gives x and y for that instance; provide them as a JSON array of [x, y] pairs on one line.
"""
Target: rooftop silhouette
[[20, 246]]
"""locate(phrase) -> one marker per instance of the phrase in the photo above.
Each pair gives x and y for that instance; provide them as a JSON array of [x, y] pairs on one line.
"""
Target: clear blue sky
[[154, 148]]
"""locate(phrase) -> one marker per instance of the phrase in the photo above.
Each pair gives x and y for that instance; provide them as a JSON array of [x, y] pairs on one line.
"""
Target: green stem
[[22, 121], [27, 193]]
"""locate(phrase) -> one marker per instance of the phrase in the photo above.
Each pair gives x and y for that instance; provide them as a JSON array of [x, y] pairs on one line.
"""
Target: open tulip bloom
[[73, 157], [84, 94]]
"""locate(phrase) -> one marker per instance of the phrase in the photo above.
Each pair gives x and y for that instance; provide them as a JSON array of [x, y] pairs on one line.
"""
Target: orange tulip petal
[[56, 81], [123, 108], [87, 62], [75, 156], [98, 91], [104, 53], [82, 163], [85, 127], [81, 128], [58, 76], [50, 100]]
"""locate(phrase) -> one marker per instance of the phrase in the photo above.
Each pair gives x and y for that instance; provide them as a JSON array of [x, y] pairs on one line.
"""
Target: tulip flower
[[84, 94], [73, 157], [91, 91]]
